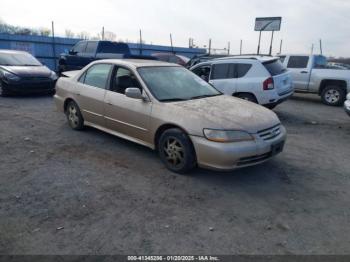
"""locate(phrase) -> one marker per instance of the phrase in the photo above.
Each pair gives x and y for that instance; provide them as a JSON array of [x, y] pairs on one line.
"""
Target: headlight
[[226, 136], [53, 75], [9, 76]]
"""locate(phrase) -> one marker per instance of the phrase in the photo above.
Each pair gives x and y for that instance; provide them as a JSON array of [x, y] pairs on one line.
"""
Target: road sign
[[268, 24]]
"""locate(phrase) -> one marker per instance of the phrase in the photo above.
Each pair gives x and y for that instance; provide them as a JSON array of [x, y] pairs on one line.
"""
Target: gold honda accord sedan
[[169, 109]]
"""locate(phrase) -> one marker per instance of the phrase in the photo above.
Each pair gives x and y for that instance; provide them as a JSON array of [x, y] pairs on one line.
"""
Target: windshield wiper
[[173, 99], [204, 96]]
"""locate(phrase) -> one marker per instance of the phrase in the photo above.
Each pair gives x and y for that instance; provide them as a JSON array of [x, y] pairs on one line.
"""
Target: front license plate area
[[277, 148]]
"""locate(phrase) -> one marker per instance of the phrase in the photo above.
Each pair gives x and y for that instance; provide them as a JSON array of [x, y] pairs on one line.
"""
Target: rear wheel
[[74, 116], [333, 96], [247, 97], [176, 151]]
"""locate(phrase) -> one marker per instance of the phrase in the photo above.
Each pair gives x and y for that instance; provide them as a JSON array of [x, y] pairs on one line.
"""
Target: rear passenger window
[[97, 75], [242, 70], [220, 71], [298, 62]]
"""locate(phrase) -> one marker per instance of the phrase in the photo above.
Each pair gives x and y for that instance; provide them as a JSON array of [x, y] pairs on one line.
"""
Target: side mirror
[[72, 52], [133, 92]]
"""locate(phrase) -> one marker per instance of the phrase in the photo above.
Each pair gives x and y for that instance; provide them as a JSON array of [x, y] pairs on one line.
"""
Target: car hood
[[224, 112], [28, 71]]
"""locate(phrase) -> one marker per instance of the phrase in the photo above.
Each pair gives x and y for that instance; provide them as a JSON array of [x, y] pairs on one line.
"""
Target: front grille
[[270, 133], [253, 159]]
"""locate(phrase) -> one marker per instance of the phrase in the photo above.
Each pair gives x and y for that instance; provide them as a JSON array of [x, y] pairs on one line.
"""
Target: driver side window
[[122, 79], [203, 72]]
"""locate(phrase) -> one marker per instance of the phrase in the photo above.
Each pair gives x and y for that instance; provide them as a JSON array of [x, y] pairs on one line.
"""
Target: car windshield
[[18, 59], [275, 67], [175, 84]]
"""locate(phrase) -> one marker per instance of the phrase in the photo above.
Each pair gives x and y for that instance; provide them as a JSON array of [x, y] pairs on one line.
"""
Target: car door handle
[[304, 72]]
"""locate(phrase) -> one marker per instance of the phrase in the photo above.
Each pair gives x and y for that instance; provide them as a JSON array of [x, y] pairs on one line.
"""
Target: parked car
[[311, 75], [347, 104], [85, 52], [202, 58], [338, 65], [172, 58], [21, 73], [259, 79], [166, 107]]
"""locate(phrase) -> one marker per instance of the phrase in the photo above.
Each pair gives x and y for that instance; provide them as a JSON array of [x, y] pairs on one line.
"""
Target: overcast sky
[[304, 21]]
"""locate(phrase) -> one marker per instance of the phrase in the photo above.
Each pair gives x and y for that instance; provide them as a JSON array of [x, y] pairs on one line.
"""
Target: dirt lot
[[67, 192]]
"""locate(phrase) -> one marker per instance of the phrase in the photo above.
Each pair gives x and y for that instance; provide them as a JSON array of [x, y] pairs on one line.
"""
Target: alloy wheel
[[174, 152], [73, 116], [332, 96]]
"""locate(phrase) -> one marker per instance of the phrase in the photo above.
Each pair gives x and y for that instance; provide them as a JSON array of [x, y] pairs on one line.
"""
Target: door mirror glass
[[133, 92]]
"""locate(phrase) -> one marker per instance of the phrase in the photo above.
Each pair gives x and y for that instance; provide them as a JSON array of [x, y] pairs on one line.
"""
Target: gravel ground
[[68, 192]]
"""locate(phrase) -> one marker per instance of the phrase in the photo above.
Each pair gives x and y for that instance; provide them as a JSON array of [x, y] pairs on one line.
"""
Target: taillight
[[268, 84]]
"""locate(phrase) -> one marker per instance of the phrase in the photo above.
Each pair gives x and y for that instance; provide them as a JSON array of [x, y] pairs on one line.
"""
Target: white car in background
[[259, 79], [347, 104]]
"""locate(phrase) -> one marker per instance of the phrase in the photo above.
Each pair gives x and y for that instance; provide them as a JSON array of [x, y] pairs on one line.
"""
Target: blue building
[[48, 49]]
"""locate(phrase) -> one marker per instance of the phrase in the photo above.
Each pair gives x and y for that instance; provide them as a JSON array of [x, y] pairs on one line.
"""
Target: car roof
[[136, 63], [261, 58], [7, 51]]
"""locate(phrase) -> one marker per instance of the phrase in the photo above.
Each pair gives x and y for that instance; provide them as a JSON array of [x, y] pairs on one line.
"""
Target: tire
[[333, 96], [3, 93], [247, 97], [176, 151], [74, 116]]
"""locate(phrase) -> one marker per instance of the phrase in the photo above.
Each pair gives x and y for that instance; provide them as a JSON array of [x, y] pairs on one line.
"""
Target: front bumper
[[347, 106], [29, 86], [230, 156]]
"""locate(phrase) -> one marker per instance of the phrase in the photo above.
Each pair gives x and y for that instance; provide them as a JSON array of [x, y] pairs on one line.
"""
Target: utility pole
[[171, 42], [228, 48], [321, 50], [271, 43], [281, 46], [312, 49], [259, 43], [140, 42], [53, 44], [241, 47], [103, 33], [209, 46]]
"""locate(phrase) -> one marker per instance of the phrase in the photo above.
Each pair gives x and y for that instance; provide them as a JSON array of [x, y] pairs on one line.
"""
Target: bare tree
[[44, 31], [83, 35], [110, 36], [69, 33]]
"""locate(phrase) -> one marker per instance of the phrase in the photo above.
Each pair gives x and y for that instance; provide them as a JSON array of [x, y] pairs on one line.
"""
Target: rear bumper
[[230, 156], [280, 100], [29, 87]]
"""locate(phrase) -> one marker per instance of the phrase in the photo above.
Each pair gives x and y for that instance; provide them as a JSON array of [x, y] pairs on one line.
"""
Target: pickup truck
[[87, 51], [311, 74]]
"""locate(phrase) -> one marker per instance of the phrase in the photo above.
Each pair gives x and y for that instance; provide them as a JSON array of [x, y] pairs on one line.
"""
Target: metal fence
[[48, 49]]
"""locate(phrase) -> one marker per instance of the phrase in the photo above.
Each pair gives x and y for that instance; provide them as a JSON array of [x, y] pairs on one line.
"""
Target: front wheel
[[333, 96], [176, 151], [74, 116]]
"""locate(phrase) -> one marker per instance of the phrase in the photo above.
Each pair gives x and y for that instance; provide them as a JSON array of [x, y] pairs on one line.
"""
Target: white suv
[[259, 79]]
